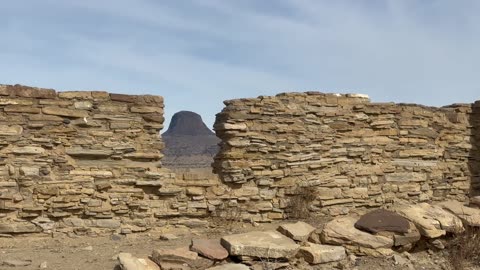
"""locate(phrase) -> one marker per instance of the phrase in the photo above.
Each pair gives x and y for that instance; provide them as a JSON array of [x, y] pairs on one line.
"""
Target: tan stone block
[[64, 112], [13, 130], [75, 95], [146, 109], [21, 109], [15, 101]]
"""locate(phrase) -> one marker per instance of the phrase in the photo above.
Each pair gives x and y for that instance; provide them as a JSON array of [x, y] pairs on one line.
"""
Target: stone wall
[[89, 162], [80, 160], [341, 152]]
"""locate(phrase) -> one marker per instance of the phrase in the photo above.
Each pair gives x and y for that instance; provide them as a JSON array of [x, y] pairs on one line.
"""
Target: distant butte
[[189, 143]]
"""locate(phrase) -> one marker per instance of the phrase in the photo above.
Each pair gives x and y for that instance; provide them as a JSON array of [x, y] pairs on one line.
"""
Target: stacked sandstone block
[[344, 150], [80, 160]]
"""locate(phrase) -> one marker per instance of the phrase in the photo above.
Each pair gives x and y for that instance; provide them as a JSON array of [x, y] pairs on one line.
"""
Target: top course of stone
[[43, 93]]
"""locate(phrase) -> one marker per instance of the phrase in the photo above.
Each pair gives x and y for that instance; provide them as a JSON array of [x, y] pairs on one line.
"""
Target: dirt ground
[[62, 252]]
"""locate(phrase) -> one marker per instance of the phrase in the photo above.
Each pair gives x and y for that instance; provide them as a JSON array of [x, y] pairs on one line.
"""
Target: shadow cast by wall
[[474, 156]]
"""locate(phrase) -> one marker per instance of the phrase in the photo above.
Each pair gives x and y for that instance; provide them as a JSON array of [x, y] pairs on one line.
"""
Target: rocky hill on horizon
[[189, 143]]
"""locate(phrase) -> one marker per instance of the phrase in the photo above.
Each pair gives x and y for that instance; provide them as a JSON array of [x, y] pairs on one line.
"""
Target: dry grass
[[464, 250], [300, 203], [227, 217]]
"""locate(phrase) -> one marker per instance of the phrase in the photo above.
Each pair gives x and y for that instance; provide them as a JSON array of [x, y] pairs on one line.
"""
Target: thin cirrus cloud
[[197, 53]]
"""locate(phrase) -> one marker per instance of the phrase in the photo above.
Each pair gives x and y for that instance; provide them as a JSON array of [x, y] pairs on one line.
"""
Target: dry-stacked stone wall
[[80, 161], [340, 152]]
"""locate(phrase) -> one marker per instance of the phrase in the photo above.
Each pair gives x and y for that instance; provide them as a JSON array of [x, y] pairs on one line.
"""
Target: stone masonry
[[78, 160], [90, 161], [341, 152]]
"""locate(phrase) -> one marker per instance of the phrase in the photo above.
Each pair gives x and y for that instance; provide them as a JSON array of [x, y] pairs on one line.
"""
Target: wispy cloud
[[197, 53]]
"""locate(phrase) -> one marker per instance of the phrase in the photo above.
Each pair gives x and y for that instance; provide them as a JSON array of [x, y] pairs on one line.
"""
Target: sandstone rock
[[469, 216], [127, 261], [21, 109], [75, 95], [94, 153], [19, 227], [299, 231], [209, 248], [181, 256], [31, 92], [13, 130], [341, 231], [65, 112], [28, 150], [316, 254], [17, 263], [267, 244], [382, 220], [108, 223], [431, 221], [230, 266], [168, 237]]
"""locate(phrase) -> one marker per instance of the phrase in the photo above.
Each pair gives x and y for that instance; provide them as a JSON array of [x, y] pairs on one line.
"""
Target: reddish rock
[[382, 220], [209, 248]]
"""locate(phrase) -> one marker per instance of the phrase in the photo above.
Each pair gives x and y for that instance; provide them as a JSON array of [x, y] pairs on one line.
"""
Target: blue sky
[[197, 53]]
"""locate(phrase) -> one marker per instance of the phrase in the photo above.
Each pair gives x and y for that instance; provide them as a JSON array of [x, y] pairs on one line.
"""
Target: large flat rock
[[230, 266], [342, 231], [299, 231], [209, 248], [267, 244], [316, 254], [470, 216], [127, 261], [432, 221]]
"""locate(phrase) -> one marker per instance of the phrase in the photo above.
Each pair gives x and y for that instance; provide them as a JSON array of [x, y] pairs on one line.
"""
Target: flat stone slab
[[266, 244], [316, 254], [16, 263], [432, 221], [382, 220], [177, 257], [341, 231], [470, 216], [230, 266], [129, 262], [299, 231], [181, 255], [209, 248]]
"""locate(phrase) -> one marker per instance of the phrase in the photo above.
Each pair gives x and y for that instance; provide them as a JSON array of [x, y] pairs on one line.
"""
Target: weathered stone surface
[[209, 248], [82, 152], [380, 151], [28, 150], [267, 244], [316, 254], [71, 163], [18, 227], [21, 109], [299, 231], [16, 263], [469, 216], [65, 112], [230, 266], [383, 221], [182, 256], [13, 130], [31, 92], [127, 261], [75, 95], [342, 231], [431, 221]]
